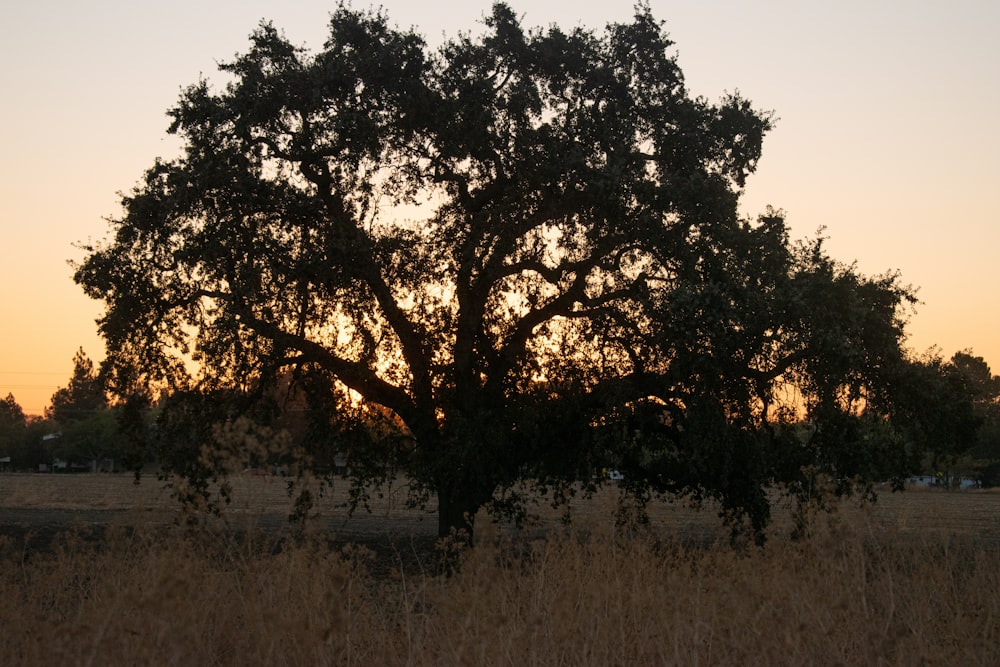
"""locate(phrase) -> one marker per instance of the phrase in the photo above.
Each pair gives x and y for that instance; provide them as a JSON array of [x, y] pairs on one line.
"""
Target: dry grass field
[[264, 501], [912, 580]]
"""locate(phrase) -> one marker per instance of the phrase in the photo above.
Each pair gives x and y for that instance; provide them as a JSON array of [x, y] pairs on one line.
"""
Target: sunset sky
[[887, 136]]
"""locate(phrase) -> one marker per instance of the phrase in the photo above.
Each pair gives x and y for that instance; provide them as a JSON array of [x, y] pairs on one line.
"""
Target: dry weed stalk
[[845, 595]]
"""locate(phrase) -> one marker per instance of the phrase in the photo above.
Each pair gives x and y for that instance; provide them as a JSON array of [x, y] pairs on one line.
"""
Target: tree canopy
[[522, 248], [951, 409], [82, 397], [12, 424]]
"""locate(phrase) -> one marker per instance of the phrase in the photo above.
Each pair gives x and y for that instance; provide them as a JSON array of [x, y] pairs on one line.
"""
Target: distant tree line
[[947, 414], [284, 426], [79, 430]]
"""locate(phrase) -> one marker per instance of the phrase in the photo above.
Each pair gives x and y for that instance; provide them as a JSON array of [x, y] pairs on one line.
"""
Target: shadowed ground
[[36, 508]]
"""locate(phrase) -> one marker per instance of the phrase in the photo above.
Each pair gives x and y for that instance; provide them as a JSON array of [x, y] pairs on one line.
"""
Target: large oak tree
[[524, 246]]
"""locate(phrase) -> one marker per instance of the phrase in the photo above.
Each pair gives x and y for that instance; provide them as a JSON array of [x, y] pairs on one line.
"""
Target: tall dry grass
[[846, 596]]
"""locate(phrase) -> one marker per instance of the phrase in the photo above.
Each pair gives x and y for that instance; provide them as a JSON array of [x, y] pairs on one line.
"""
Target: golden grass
[[81, 491], [854, 593]]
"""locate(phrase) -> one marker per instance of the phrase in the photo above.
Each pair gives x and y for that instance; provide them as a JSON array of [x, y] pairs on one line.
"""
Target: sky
[[886, 136]]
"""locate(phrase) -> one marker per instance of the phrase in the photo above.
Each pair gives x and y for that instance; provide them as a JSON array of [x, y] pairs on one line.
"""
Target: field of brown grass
[[914, 579], [265, 500]]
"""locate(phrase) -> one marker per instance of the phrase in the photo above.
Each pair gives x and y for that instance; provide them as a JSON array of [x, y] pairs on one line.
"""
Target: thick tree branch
[[365, 267], [356, 375]]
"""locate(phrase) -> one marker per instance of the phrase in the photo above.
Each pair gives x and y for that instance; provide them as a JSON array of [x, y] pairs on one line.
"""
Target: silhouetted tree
[[524, 247], [12, 425], [82, 397], [972, 377], [87, 426], [941, 407]]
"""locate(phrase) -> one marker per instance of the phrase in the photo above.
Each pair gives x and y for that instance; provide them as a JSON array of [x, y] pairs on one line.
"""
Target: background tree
[[82, 397], [523, 247], [938, 410], [88, 427], [976, 453], [985, 390], [34, 449], [12, 425]]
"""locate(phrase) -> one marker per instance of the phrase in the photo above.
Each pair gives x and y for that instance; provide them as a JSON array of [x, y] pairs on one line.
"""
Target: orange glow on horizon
[[900, 179]]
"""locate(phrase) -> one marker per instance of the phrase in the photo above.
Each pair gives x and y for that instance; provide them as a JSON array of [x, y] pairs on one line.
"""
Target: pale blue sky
[[887, 136]]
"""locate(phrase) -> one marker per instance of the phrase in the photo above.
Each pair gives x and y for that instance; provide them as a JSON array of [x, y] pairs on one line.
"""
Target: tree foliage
[[89, 429], [82, 397], [523, 248], [12, 424], [951, 409]]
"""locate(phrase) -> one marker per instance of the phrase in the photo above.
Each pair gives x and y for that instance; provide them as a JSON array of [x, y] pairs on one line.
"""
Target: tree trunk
[[457, 512]]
